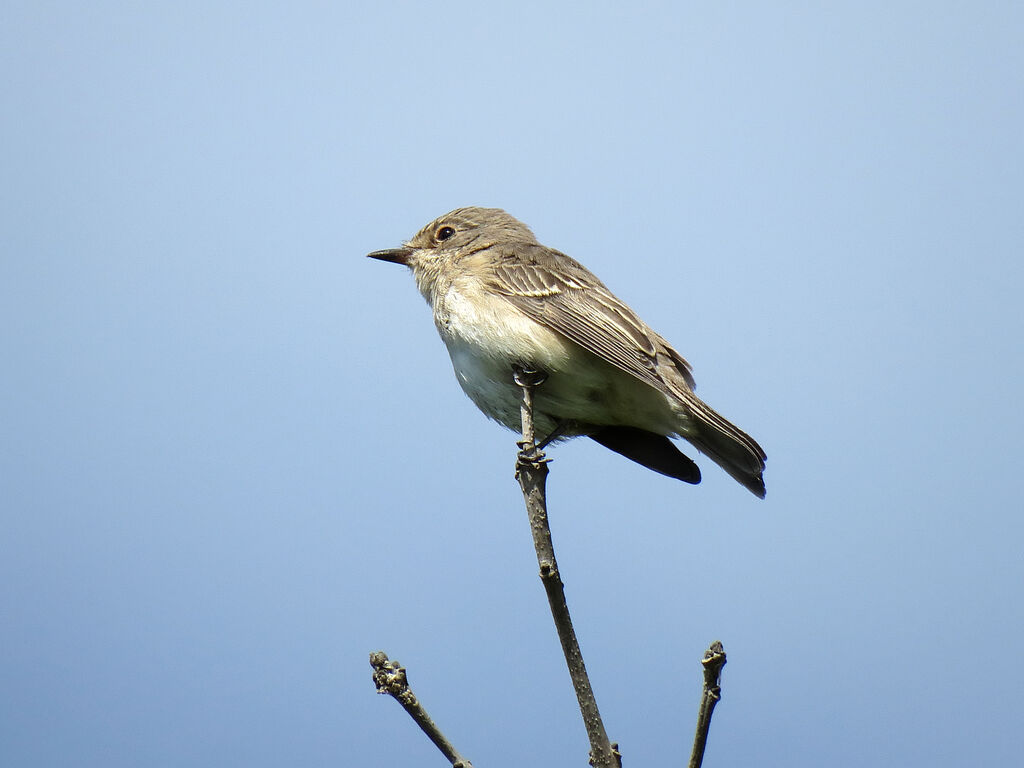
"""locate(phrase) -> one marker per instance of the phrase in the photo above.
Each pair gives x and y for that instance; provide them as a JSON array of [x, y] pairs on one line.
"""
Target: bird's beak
[[396, 255]]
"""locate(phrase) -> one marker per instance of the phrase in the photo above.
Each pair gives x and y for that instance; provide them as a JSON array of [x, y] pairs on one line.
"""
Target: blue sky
[[235, 459]]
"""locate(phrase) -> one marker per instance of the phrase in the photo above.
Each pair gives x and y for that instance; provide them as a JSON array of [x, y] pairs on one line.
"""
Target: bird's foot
[[530, 456]]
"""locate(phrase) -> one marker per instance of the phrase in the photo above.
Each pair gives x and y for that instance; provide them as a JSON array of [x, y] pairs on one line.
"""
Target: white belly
[[487, 337]]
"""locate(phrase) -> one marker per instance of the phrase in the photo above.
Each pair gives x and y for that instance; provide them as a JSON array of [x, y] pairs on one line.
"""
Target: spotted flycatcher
[[502, 302]]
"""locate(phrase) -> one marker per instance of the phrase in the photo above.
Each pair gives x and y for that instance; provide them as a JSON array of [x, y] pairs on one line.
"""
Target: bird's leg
[[557, 432], [528, 379]]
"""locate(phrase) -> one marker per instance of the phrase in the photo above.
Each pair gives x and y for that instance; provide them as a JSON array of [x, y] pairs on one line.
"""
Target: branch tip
[[390, 677], [712, 662]]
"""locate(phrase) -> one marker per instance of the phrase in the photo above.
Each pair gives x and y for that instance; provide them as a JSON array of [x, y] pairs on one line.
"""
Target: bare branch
[[390, 678], [531, 471], [713, 661]]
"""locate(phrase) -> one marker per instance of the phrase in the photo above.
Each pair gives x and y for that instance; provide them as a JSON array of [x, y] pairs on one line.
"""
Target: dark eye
[[444, 233]]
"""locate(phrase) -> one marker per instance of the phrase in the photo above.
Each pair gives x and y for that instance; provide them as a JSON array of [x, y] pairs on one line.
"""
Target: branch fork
[[531, 472]]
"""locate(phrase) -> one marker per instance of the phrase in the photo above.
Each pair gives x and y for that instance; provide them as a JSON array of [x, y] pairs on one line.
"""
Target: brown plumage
[[501, 298]]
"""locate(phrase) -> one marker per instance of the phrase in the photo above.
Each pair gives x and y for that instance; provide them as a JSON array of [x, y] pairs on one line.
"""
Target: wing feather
[[561, 294]]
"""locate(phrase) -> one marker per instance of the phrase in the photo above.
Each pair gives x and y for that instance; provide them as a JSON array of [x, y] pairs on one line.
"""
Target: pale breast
[[486, 336]]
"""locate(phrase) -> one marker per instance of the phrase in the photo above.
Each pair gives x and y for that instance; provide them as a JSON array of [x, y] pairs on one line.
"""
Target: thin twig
[[390, 678], [713, 661], [531, 471]]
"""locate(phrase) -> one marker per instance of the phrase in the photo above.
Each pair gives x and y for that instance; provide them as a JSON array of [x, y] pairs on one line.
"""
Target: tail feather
[[728, 446]]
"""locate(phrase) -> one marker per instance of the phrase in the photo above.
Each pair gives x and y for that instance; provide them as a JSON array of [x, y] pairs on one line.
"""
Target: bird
[[504, 302]]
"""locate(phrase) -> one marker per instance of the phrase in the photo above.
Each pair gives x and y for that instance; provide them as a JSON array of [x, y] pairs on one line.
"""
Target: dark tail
[[728, 446], [655, 452]]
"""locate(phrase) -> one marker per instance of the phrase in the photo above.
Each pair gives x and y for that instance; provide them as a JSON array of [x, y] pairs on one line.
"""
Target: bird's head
[[448, 239]]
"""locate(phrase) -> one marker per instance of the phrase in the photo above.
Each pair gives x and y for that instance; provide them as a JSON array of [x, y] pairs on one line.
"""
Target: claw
[[533, 461]]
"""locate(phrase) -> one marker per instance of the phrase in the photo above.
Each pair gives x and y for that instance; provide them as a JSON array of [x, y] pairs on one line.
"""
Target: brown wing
[[560, 293]]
